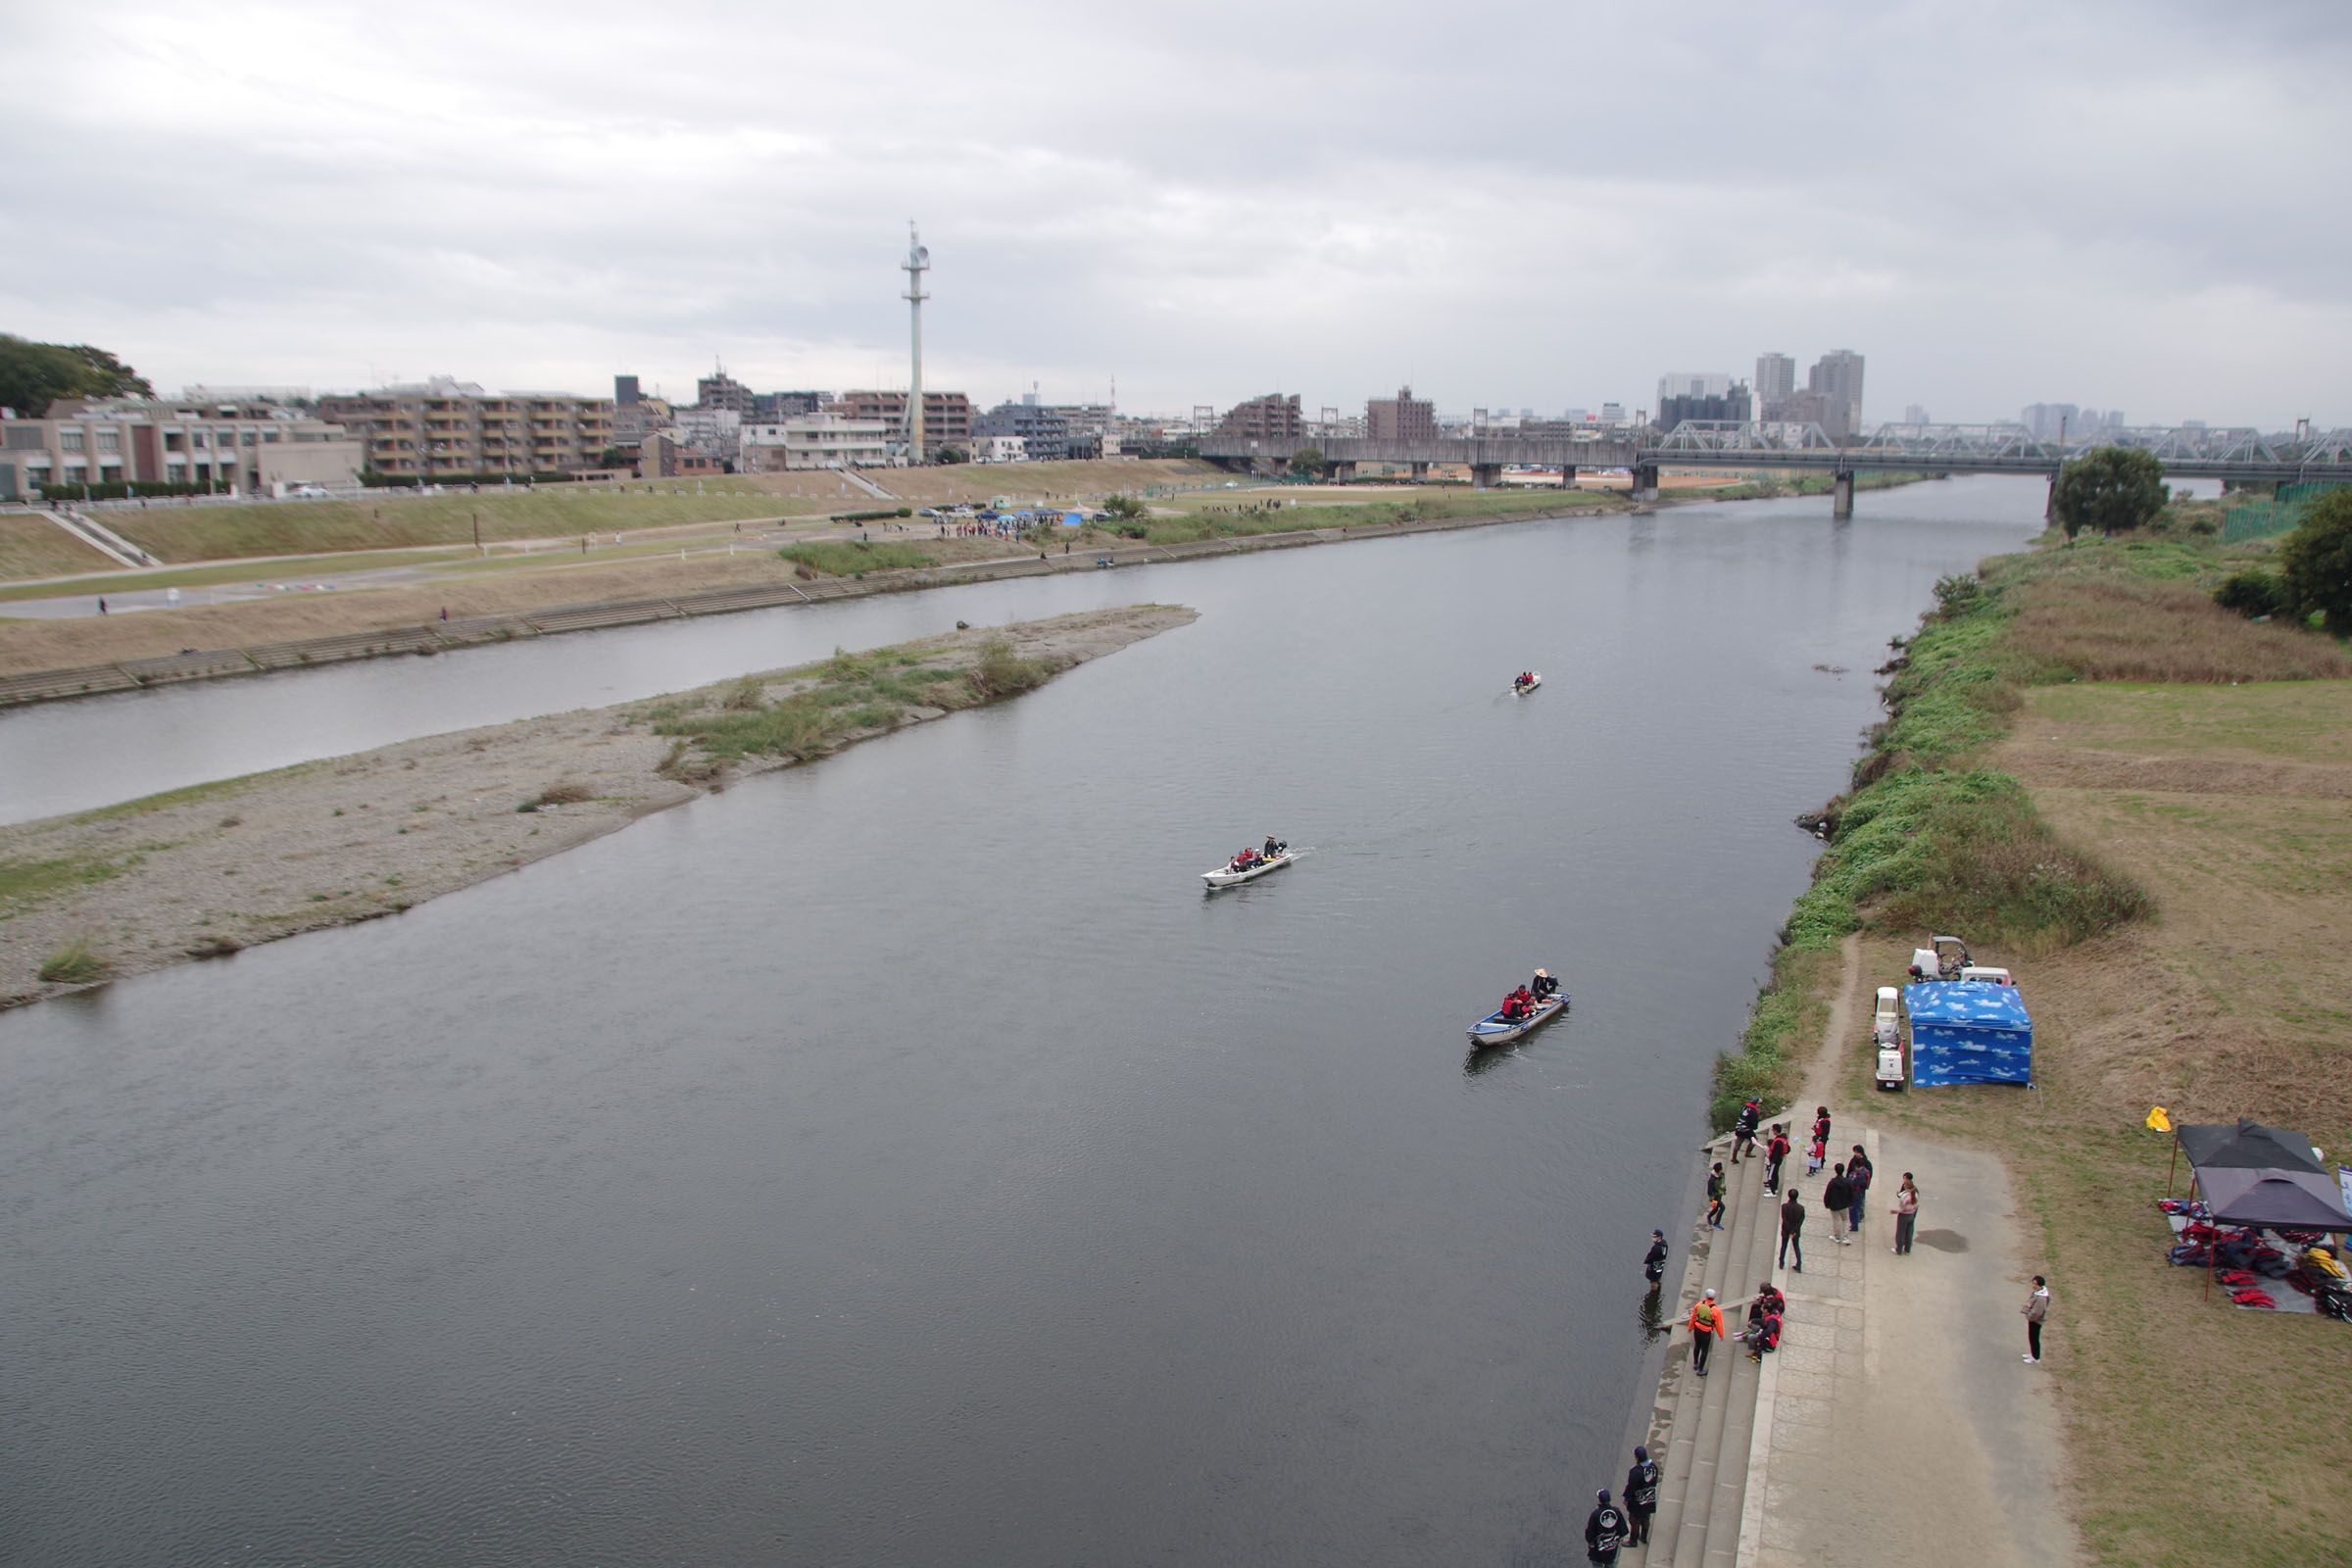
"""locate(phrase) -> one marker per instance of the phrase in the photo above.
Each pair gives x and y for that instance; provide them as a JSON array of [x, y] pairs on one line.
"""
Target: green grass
[[389, 520], [189, 794], [851, 558], [75, 964], [827, 702], [1205, 518], [26, 882], [123, 582]]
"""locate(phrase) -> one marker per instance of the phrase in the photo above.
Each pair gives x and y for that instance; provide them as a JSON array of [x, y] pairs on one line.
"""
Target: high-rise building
[[1733, 405], [1837, 376], [1403, 418], [1692, 384], [1272, 417], [773, 407], [625, 391], [1776, 378], [1913, 413], [1044, 433], [2046, 420], [719, 390]]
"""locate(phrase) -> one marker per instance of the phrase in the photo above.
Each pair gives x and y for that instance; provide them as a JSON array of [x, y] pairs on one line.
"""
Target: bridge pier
[[1568, 476], [1842, 495], [1343, 473], [1486, 475], [1420, 474], [2049, 508], [1645, 481]]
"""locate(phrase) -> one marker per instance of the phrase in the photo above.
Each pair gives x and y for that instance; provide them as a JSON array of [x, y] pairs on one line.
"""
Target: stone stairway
[[1702, 1428]]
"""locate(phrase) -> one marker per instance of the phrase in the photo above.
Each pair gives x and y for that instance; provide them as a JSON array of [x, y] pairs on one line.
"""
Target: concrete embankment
[[205, 871], [477, 631]]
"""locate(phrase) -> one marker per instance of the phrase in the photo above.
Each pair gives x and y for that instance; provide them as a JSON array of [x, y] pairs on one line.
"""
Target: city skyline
[[494, 196]]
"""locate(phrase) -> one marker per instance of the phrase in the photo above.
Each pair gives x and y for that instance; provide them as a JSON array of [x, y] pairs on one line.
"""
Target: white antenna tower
[[917, 263]]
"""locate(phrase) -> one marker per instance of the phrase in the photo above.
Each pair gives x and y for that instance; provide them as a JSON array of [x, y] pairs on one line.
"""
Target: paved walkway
[[1898, 1426]]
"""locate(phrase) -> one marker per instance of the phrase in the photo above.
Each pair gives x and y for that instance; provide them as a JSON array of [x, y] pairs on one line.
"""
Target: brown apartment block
[[1272, 417], [454, 427], [946, 415], [1403, 418]]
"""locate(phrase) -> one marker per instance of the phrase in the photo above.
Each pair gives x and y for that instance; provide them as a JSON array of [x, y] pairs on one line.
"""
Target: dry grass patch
[[34, 547], [2128, 629]]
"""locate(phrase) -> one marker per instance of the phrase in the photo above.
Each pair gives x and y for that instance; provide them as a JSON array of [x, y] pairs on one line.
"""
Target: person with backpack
[[1604, 1532], [1838, 1199], [1640, 1496], [1857, 1181], [1653, 1267], [1706, 1327], [1774, 1152]]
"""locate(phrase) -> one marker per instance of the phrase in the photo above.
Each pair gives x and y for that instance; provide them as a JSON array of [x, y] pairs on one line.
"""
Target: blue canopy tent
[[1968, 1032]]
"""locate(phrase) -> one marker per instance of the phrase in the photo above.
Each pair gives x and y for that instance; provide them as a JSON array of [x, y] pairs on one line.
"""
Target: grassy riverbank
[[2136, 801], [205, 871]]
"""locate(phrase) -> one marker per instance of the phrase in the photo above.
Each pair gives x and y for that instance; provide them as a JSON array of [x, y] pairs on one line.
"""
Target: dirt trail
[[202, 872]]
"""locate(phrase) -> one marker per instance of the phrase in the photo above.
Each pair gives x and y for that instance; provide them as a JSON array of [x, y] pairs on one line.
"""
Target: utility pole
[[917, 263]]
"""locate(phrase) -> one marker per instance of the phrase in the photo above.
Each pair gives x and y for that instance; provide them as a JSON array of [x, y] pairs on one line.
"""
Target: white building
[[718, 432], [1001, 449], [815, 441]]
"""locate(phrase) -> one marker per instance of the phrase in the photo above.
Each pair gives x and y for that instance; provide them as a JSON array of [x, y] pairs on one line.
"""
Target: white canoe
[[1496, 1030], [1518, 690], [1225, 876]]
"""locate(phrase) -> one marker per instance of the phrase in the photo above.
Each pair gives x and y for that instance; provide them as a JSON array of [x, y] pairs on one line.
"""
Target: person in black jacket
[[1793, 1229], [1653, 1267], [1604, 1532], [1715, 1196], [1838, 1199], [1744, 1129], [1640, 1496]]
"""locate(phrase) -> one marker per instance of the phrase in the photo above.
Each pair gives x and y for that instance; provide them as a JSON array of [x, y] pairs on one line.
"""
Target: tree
[[1124, 508], [2114, 490], [950, 455], [1309, 462], [32, 376], [2316, 562]]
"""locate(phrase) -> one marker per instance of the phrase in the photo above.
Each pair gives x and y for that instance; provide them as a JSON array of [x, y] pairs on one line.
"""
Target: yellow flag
[[2160, 1120]]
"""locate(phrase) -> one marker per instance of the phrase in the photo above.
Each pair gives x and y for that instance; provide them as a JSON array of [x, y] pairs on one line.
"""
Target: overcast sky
[[2137, 205]]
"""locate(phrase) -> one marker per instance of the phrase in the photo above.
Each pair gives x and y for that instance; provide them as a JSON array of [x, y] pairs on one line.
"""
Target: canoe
[[1518, 690], [1224, 876], [1496, 1030]]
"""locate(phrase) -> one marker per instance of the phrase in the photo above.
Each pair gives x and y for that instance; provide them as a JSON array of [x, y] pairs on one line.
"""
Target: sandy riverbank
[[205, 871]]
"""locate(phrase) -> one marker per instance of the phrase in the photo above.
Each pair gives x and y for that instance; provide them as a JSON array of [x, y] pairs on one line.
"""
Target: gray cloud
[[2118, 204]]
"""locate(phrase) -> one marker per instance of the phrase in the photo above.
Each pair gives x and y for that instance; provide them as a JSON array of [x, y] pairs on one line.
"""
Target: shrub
[[2113, 490], [2317, 562], [2251, 593], [845, 557], [1000, 673], [75, 964]]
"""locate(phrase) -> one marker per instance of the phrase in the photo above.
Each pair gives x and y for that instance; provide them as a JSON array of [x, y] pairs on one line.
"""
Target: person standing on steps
[[1604, 1531], [1838, 1199], [1907, 1214], [1793, 1229], [1706, 1326], [1653, 1267], [1640, 1496], [1715, 1196], [2036, 1308], [1775, 1151], [1744, 1129]]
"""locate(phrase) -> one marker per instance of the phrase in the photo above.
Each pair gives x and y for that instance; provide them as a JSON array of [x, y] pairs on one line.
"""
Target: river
[[901, 1160]]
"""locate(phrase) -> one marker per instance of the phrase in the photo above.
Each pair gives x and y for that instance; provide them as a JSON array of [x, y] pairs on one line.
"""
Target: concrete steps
[[1704, 1427]]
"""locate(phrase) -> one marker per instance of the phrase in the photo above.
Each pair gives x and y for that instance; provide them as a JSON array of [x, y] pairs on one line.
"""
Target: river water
[[901, 1160]]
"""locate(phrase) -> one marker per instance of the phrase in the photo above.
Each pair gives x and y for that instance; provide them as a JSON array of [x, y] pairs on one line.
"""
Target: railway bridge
[[2236, 454]]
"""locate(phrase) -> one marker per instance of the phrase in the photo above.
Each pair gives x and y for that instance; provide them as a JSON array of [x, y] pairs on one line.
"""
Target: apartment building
[[817, 441], [1403, 418], [444, 426], [1271, 418], [220, 448], [946, 415], [1045, 431]]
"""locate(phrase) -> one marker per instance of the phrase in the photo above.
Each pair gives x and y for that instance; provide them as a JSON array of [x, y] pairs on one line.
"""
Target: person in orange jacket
[[1706, 1327]]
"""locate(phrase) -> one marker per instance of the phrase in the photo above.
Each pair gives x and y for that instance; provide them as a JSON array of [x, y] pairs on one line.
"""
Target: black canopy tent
[[2265, 1177]]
